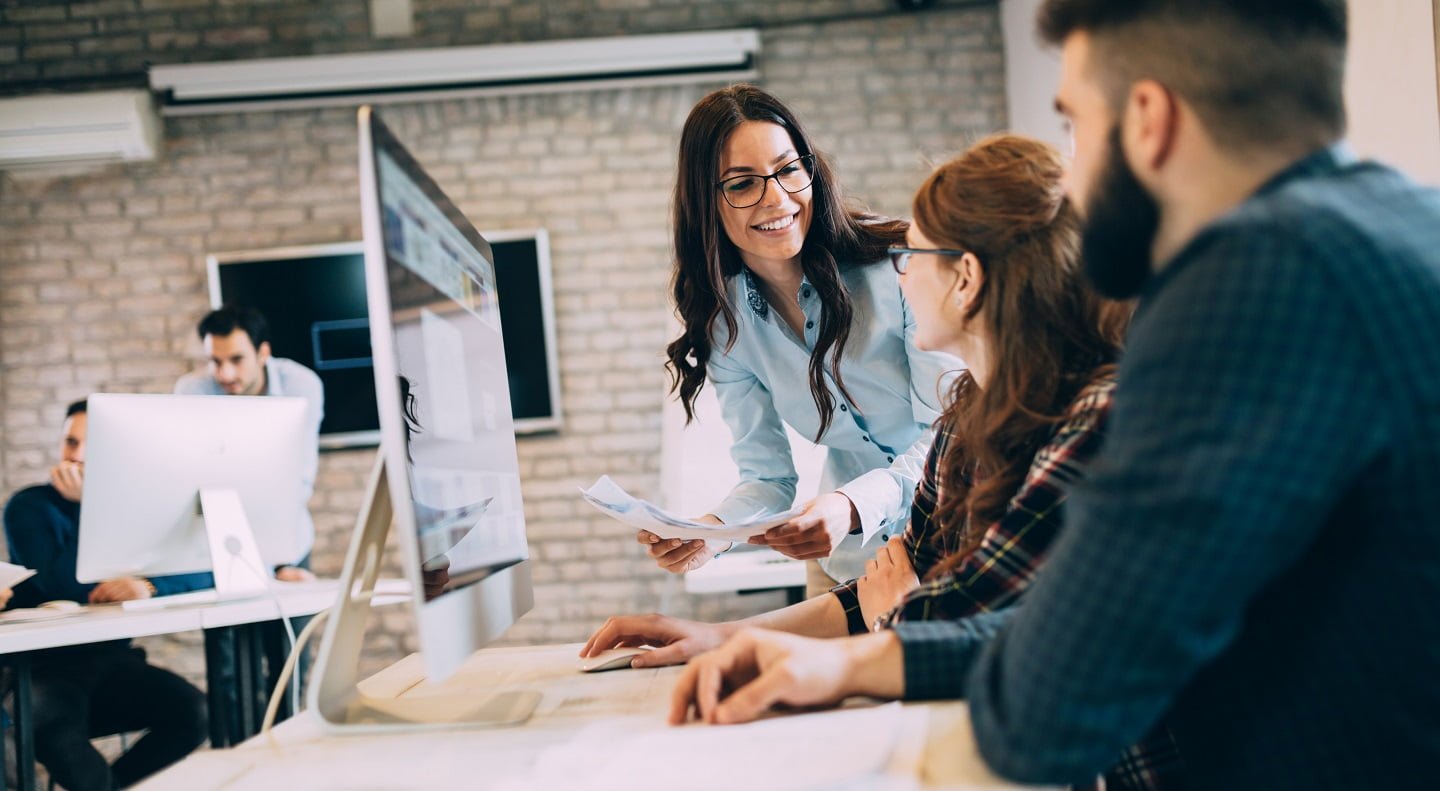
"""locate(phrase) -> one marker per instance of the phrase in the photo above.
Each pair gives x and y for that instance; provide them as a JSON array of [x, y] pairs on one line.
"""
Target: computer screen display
[[451, 385]]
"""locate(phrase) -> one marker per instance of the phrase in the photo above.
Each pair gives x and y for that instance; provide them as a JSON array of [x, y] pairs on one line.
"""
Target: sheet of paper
[[12, 575], [609, 497], [794, 751]]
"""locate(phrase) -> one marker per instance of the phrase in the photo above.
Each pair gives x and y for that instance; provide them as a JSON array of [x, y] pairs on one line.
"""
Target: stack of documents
[[607, 495]]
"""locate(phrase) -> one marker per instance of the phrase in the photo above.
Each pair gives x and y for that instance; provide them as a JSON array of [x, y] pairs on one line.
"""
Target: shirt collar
[[1324, 161], [755, 295]]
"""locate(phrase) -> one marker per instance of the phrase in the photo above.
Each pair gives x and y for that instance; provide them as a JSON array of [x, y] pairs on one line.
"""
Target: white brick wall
[[102, 274]]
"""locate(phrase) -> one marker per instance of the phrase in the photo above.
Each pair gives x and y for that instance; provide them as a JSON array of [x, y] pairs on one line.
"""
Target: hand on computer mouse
[[121, 589], [678, 639]]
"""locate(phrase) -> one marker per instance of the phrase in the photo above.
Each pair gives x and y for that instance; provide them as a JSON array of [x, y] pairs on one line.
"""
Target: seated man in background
[[84, 691], [237, 347]]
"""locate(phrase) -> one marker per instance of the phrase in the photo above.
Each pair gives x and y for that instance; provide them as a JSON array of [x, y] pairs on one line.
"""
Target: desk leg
[[221, 668], [245, 673], [794, 595], [24, 725]]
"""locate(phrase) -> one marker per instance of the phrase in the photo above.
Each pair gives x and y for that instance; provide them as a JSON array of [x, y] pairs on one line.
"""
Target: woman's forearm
[[821, 616]]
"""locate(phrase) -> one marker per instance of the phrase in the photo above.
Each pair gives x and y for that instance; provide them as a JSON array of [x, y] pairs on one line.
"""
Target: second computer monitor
[[147, 459], [446, 427]]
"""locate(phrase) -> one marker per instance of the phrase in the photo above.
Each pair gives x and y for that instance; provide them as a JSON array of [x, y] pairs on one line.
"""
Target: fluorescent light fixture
[[426, 74]]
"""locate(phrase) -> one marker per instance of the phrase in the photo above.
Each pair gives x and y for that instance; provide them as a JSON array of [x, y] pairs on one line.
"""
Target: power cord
[[273, 709], [289, 631]]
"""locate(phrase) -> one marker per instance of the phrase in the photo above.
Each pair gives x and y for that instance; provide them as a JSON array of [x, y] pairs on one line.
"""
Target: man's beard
[[1121, 220]]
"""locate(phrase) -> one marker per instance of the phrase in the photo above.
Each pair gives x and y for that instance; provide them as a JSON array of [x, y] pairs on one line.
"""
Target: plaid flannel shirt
[[995, 576], [1010, 553]]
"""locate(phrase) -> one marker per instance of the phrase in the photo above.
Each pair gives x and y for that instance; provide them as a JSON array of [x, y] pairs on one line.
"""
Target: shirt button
[[809, 325], [862, 436], [805, 293], [889, 458], [844, 408]]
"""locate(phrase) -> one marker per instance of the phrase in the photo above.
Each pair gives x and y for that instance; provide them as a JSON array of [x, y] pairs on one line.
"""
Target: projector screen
[[314, 299]]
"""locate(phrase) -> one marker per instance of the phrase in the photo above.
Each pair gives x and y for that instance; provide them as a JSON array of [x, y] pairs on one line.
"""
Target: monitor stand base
[[335, 692]]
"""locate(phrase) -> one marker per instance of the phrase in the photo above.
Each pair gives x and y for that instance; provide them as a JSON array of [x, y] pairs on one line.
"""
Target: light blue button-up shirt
[[282, 378], [876, 443]]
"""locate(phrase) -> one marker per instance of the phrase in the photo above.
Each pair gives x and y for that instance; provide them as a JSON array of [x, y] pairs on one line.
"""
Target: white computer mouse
[[613, 659], [59, 604]]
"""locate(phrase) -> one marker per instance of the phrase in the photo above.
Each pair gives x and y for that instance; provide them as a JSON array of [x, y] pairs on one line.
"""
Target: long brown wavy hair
[[1052, 334], [705, 258]]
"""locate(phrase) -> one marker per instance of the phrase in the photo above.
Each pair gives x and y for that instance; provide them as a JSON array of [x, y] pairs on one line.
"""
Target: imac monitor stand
[[447, 476]]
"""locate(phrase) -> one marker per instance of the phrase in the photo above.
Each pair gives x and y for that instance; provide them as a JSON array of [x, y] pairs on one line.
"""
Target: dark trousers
[[85, 692], [233, 707]]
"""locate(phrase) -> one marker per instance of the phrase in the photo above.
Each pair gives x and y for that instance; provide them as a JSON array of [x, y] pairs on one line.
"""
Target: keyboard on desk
[[173, 600]]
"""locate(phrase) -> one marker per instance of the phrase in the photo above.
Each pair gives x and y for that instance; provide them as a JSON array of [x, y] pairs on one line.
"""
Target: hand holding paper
[[609, 497], [12, 575]]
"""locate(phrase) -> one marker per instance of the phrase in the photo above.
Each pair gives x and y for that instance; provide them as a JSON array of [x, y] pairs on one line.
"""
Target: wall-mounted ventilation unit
[[428, 74], [77, 129]]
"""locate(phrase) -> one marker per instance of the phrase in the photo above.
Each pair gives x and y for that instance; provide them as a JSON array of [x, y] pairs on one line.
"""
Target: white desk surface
[[97, 624], [742, 570], [581, 723]]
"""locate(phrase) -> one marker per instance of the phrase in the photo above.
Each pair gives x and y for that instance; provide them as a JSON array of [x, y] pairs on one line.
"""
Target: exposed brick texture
[[102, 273]]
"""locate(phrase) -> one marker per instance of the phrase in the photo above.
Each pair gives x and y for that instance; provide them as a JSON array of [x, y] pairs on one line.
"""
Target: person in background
[[1254, 558], [791, 313], [84, 691], [237, 346], [236, 339]]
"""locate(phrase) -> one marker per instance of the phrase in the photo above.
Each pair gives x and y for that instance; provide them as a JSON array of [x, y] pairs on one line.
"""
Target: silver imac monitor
[[447, 436], [166, 476]]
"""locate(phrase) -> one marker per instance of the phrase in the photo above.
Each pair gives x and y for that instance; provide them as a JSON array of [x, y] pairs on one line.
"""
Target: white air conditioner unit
[[427, 74], [77, 129]]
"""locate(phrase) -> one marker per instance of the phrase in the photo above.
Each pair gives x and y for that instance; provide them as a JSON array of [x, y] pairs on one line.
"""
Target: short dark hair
[[1259, 73], [77, 407], [228, 318]]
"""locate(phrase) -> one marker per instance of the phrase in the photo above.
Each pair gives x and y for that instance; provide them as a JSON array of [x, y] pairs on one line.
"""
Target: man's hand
[[678, 557], [888, 577], [120, 589], [757, 669], [816, 531], [434, 576], [5, 594], [676, 640], [294, 574], [68, 478]]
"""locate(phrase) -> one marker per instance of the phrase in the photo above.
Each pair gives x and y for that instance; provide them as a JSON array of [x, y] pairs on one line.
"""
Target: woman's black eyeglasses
[[900, 256], [742, 192]]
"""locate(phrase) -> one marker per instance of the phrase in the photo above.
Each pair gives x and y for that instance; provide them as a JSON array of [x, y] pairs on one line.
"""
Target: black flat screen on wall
[[314, 298]]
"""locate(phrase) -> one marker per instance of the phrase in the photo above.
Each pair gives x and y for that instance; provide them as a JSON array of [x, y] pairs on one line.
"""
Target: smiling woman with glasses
[[771, 274]]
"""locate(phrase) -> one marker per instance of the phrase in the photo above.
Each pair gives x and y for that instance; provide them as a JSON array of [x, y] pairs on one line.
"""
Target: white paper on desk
[[610, 498], [12, 575], [845, 749]]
